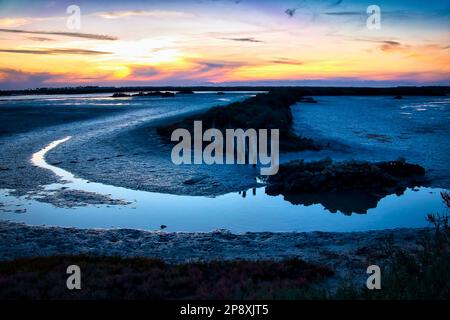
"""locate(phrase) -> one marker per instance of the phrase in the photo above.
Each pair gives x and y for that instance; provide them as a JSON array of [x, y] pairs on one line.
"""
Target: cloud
[[390, 46], [314, 5], [345, 13], [65, 34], [199, 70], [17, 79], [249, 39], [336, 3], [41, 39], [11, 79], [290, 12], [386, 45], [210, 65], [143, 72], [143, 13], [12, 22], [286, 61], [55, 51]]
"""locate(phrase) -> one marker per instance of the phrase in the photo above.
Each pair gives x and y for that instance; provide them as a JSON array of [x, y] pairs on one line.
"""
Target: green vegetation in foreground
[[263, 111]]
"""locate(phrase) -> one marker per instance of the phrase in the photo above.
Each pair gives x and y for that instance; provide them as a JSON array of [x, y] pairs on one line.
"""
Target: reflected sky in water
[[251, 210]]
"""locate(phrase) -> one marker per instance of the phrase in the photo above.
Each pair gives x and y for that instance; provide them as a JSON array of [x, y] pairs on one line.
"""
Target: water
[[382, 128], [260, 212]]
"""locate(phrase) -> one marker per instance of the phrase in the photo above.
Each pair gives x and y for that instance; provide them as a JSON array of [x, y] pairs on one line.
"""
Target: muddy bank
[[342, 252], [136, 157], [25, 129], [22, 118], [113, 145]]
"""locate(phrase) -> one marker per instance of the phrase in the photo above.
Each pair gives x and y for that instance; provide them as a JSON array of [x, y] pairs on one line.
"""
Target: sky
[[223, 42]]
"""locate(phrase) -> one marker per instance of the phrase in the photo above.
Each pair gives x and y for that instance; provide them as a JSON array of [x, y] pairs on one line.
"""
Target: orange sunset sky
[[223, 42]]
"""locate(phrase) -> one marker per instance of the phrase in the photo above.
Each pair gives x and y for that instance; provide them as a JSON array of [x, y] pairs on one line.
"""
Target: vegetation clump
[[326, 175], [263, 111], [185, 91], [120, 95]]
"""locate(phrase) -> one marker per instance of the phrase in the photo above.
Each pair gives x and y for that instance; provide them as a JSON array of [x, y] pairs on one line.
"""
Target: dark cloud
[[345, 13], [41, 39], [17, 79], [336, 3], [235, 1], [143, 71], [249, 39], [65, 34], [310, 4], [53, 51], [290, 12], [406, 79], [219, 65], [12, 79], [393, 14], [202, 71], [286, 61], [390, 42], [393, 42], [390, 46], [385, 45]]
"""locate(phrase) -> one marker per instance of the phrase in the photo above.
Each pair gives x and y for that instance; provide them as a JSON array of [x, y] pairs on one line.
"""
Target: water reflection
[[346, 202], [243, 193], [233, 211]]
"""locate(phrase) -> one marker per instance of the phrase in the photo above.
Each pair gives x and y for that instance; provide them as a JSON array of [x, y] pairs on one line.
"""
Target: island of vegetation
[[329, 183], [265, 110]]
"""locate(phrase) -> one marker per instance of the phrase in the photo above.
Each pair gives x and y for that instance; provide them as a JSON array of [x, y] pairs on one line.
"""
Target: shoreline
[[101, 145], [306, 90], [344, 252]]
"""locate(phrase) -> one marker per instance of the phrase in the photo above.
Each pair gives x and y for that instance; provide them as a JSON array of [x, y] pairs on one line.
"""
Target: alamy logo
[[240, 147], [74, 20], [74, 280], [374, 19], [374, 280]]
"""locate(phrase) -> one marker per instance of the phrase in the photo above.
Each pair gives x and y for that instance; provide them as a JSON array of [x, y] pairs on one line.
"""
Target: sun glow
[[142, 51]]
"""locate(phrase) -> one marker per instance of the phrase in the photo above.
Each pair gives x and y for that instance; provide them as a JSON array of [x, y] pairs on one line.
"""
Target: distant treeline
[[305, 91]]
